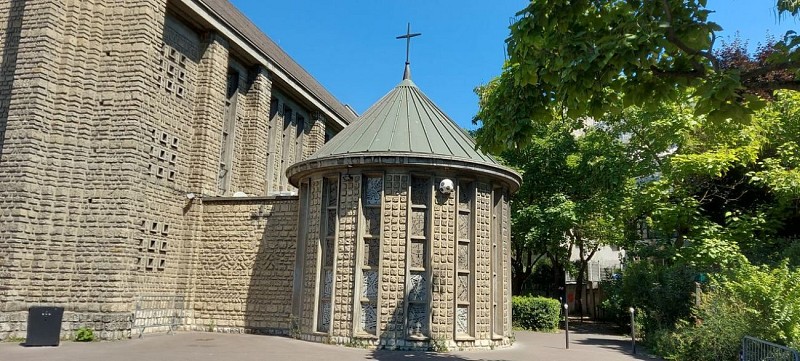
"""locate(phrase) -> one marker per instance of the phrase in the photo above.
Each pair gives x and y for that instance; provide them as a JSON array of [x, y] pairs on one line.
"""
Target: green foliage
[[84, 334], [761, 301], [535, 313], [577, 59], [662, 295], [716, 335]]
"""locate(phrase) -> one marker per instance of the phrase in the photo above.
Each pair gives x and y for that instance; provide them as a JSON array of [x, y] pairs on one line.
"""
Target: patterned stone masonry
[[393, 283], [255, 137], [245, 266], [345, 261], [160, 274], [316, 135], [64, 194], [443, 266], [507, 261], [311, 270], [208, 115], [483, 253]]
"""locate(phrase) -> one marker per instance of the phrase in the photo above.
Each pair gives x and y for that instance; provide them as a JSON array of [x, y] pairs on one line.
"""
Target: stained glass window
[[420, 191], [418, 319], [370, 285], [418, 222], [419, 276], [417, 254], [369, 317], [419, 287], [462, 320], [372, 218], [373, 190]]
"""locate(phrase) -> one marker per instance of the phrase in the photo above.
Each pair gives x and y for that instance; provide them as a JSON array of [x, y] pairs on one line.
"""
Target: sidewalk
[[197, 346]]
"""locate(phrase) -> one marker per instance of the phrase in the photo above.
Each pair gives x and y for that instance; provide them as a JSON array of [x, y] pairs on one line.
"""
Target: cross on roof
[[408, 36]]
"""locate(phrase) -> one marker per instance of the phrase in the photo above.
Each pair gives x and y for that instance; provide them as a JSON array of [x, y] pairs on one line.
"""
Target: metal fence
[[754, 349]]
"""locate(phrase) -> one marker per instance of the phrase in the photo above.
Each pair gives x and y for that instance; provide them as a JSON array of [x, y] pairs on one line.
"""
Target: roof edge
[[307, 167], [248, 44]]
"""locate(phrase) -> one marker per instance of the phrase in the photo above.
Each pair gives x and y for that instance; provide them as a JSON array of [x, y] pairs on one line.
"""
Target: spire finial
[[408, 36]]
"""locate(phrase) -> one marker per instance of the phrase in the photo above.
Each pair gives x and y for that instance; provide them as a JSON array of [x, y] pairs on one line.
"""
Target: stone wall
[[65, 193], [244, 265]]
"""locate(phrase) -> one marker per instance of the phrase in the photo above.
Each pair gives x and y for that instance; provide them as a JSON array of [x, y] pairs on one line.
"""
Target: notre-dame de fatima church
[[165, 166]]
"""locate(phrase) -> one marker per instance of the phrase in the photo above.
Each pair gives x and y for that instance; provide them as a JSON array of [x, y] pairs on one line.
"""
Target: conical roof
[[405, 122]]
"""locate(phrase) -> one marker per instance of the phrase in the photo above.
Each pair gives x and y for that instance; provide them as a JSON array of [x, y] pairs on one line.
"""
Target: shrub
[[535, 313], [715, 335], [84, 334]]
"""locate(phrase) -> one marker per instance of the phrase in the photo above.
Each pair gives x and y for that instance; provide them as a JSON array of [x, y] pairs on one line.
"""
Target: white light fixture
[[446, 186], [190, 196]]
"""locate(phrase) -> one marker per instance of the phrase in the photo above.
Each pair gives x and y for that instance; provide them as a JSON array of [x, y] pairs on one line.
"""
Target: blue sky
[[350, 45]]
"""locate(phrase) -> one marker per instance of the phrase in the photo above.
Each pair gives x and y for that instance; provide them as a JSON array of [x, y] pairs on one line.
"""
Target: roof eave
[[366, 160]]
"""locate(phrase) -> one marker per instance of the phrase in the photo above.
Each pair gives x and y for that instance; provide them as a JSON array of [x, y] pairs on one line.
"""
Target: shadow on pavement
[[384, 355], [621, 346]]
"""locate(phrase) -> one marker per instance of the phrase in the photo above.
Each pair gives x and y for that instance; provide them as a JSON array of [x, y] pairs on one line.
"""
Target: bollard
[[566, 324], [633, 329]]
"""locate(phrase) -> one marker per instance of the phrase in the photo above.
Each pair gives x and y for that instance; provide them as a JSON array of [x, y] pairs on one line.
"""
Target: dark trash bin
[[44, 326]]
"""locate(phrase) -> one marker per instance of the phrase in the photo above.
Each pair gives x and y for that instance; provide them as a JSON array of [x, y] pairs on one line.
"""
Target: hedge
[[535, 313]]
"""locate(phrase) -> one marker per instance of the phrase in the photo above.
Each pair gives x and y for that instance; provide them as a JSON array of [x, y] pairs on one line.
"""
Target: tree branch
[[672, 37], [763, 70]]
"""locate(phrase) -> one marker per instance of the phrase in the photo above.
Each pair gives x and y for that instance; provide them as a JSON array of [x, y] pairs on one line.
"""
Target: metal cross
[[408, 37]]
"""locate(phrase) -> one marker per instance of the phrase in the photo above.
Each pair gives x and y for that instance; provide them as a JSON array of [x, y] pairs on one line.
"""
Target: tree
[[574, 192], [583, 58]]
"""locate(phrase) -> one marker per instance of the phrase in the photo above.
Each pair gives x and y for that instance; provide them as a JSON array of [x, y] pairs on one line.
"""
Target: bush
[[535, 313], [716, 334], [84, 334], [761, 302]]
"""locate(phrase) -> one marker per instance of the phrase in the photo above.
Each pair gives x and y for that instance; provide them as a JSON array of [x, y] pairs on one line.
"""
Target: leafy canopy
[[589, 58]]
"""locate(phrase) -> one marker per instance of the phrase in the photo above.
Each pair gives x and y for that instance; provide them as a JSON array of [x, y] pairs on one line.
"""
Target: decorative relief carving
[[420, 191], [462, 320], [417, 319], [418, 253], [462, 290], [369, 317], [327, 286], [419, 223], [331, 222], [373, 191], [333, 194], [419, 287], [465, 196], [325, 317], [463, 256], [372, 217], [371, 252], [464, 225], [369, 285]]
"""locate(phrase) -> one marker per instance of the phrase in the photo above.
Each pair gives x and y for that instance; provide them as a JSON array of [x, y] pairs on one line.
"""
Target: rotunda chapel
[[404, 239]]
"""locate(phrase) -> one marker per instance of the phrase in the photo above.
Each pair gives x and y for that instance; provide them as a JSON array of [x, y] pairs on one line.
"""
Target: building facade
[[151, 157]]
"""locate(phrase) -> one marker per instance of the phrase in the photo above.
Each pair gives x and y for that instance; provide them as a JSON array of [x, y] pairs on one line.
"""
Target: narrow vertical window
[[327, 252], [228, 129], [497, 262], [371, 203], [299, 138], [272, 145], [418, 264], [287, 153], [464, 251]]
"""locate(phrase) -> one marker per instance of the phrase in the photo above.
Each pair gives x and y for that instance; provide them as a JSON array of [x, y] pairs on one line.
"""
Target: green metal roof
[[404, 121], [404, 128]]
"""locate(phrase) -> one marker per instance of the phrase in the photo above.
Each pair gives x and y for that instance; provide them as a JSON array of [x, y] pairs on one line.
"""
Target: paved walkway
[[198, 346]]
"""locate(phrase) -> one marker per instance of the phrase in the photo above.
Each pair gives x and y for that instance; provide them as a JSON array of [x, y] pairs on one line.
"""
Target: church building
[[165, 166]]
